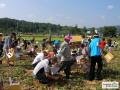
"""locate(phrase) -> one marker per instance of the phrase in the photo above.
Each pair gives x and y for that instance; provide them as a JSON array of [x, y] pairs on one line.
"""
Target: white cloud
[[2, 5], [102, 17], [30, 15], [50, 19], [110, 7], [56, 18], [61, 16]]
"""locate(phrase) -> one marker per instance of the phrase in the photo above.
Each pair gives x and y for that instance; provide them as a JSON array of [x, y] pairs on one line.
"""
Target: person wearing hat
[[42, 70], [96, 57], [66, 59]]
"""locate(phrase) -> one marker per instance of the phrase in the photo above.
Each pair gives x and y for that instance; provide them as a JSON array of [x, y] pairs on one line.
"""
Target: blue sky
[[65, 12]]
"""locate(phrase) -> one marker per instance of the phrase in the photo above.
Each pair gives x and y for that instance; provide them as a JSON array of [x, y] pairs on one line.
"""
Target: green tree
[[109, 31]]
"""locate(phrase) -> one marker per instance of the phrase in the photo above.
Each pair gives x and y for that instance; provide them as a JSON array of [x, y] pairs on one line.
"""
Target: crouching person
[[42, 71], [39, 58]]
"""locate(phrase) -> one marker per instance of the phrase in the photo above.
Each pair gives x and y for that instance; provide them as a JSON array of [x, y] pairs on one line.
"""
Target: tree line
[[8, 25]]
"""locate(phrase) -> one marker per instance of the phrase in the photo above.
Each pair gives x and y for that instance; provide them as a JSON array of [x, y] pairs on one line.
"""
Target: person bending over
[[42, 71]]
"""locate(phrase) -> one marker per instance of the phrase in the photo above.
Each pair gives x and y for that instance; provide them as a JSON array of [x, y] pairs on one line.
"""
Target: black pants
[[66, 66], [34, 65], [41, 77], [1, 51], [94, 60]]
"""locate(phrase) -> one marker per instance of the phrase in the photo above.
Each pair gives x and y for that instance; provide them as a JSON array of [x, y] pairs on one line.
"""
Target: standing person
[[66, 56], [102, 44], [10, 42], [95, 55], [57, 44], [1, 46], [25, 44]]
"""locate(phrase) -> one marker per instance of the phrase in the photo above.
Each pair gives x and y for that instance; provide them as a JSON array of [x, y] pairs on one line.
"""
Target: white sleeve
[[47, 68], [37, 68], [38, 58]]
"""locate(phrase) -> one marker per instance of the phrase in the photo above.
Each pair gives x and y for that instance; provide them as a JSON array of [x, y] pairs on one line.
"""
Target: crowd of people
[[52, 57]]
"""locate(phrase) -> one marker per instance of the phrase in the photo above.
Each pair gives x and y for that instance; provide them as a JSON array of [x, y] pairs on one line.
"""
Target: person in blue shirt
[[57, 44], [95, 56]]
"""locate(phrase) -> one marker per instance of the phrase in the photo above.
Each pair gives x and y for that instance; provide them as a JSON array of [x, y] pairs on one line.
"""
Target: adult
[[1, 46], [57, 44], [39, 58], [103, 44], [42, 71], [66, 57], [95, 55], [10, 42]]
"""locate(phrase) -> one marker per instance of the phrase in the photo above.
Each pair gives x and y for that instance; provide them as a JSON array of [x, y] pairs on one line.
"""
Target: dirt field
[[22, 71]]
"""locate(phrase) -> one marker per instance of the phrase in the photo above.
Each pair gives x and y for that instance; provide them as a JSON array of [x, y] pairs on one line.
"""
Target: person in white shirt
[[39, 57], [42, 69]]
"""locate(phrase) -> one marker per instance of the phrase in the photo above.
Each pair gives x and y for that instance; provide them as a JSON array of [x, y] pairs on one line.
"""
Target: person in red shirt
[[102, 44]]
